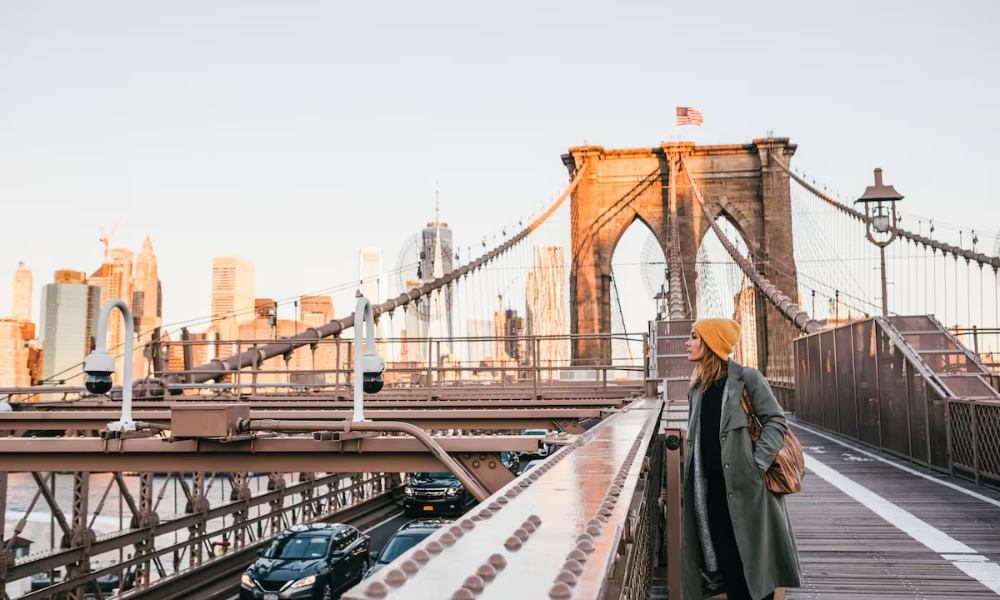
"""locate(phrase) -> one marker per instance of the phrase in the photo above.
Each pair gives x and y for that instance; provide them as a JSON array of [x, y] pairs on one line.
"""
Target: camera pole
[[101, 364], [362, 316]]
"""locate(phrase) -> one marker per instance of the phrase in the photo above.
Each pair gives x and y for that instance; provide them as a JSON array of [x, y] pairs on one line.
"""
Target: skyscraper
[[507, 326], [436, 258], [14, 353], [114, 279], [147, 304], [232, 295], [479, 350], [21, 306], [373, 281], [547, 308], [69, 317]]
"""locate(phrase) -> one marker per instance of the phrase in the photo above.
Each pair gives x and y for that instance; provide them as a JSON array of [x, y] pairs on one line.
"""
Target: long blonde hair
[[709, 368]]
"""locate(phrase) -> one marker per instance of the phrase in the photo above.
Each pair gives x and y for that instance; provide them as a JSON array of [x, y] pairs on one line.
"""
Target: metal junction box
[[207, 420]]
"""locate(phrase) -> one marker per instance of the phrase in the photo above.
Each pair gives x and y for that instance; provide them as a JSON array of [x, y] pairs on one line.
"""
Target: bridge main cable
[[782, 302], [956, 251], [218, 368]]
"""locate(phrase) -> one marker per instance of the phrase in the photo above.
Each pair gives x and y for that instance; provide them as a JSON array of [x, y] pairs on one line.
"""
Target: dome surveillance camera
[[98, 383], [373, 382], [372, 369], [99, 367]]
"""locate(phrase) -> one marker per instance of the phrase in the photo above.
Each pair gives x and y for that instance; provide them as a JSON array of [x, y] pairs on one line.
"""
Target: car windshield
[[433, 476], [300, 546], [400, 544]]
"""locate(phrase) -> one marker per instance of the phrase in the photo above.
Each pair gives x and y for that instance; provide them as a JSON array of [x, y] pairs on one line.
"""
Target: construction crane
[[106, 239]]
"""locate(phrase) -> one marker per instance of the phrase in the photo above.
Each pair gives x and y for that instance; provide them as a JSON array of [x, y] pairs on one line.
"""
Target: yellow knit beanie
[[720, 335]]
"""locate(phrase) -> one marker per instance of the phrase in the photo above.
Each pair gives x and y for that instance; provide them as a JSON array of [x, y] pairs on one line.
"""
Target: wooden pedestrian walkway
[[871, 526]]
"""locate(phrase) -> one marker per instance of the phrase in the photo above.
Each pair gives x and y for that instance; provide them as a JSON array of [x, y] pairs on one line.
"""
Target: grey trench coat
[[760, 520]]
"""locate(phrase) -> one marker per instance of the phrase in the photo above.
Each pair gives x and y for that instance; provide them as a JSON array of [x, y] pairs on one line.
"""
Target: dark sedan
[[435, 493], [308, 561], [406, 537]]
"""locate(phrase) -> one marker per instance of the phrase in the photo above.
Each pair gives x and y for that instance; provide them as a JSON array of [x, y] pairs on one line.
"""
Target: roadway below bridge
[[379, 533]]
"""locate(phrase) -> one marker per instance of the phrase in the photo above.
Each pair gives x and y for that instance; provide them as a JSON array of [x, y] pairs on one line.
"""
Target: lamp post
[[880, 217], [100, 365]]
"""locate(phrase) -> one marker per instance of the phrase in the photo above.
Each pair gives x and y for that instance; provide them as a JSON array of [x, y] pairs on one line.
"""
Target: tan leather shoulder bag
[[785, 474]]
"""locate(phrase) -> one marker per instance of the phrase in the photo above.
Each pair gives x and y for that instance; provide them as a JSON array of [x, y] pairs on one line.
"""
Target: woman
[[737, 535]]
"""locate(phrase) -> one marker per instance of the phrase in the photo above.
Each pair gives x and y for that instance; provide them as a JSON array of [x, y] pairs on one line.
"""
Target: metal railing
[[429, 364], [906, 386], [984, 343], [149, 551]]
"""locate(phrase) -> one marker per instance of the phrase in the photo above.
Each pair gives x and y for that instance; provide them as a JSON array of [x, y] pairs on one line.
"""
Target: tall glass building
[[69, 318]]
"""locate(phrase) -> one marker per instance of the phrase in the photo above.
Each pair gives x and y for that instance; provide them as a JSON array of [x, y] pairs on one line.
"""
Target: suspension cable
[[956, 251], [219, 367], [782, 302]]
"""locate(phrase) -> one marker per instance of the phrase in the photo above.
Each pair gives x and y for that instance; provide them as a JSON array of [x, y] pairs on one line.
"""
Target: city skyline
[[232, 168]]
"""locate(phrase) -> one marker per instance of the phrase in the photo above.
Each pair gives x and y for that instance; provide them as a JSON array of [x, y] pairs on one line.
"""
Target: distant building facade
[[547, 308], [14, 352], [21, 301], [479, 351], [114, 279], [507, 326], [232, 295], [68, 321], [436, 258], [147, 303]]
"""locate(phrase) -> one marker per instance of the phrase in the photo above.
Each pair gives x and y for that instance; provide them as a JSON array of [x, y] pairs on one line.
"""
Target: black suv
[[406, 537], [434, 493], [308, 561]]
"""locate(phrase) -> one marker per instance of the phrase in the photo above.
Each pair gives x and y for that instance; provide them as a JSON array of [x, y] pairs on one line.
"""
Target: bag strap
[[753, 422], [747, 406]]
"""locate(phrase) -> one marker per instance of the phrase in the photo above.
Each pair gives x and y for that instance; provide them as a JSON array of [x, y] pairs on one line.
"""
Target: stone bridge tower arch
[[736, 180]]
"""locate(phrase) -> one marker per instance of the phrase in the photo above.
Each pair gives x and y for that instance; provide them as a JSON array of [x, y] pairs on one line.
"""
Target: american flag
[[689, 116]]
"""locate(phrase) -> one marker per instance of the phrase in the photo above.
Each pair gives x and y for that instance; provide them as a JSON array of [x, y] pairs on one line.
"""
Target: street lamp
[[100, 365], [880, 213], [368, 365]]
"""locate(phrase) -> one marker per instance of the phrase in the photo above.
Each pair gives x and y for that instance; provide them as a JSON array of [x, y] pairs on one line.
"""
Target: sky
[[295, 133]]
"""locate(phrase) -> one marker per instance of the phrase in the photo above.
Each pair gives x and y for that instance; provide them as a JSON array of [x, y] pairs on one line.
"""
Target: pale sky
[[294, 133]]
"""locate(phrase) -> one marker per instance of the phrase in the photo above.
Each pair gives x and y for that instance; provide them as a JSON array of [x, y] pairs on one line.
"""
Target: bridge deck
[[869, 526]]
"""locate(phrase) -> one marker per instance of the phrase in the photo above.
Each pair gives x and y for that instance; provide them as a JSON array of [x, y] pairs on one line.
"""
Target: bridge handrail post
[[673, 491]]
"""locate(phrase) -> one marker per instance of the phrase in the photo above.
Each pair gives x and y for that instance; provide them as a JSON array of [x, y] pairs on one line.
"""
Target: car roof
[[424, 524], [331, 528]]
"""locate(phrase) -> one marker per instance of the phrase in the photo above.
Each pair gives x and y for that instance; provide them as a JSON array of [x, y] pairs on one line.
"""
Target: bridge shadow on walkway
[[870, 526]]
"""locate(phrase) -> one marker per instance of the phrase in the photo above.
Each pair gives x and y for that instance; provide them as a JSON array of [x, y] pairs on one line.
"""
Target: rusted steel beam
[[323, 404], [489, 419], [193, 577], [421, 436], [525, 530], [486, 468], [361, 455]]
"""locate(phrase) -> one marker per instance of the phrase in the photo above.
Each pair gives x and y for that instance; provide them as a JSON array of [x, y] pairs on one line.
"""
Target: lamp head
[[879, 192]]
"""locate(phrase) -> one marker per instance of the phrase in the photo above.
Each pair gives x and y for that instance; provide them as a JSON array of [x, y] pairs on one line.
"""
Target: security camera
[[99, 367], [372, 369]]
